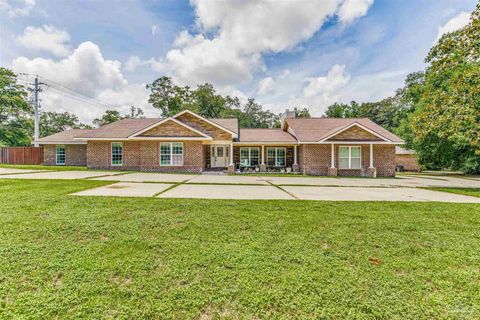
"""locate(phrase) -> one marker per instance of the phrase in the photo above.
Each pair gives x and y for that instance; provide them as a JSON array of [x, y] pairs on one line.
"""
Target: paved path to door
[[163, 185]]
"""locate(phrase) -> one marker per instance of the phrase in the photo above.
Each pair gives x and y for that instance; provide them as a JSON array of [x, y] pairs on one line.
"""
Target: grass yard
[[475, 192], [98, 257]]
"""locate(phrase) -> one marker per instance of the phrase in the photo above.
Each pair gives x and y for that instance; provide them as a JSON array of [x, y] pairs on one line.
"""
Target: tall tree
[[446, 122], [135, 113], [168, 97], [53, 122], [16, 126], [108, 117], [207, 102], [301, 113]]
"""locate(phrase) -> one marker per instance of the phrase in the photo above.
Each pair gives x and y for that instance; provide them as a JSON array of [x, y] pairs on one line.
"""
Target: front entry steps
[[215, 171]]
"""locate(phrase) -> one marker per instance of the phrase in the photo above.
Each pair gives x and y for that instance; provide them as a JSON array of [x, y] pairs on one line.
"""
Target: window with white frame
[[276, 157], [349, 157], [249, 156], [60, 154], [117, 153], [171, 154]]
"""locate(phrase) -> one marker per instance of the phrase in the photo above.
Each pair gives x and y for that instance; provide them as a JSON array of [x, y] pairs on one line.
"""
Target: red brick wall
[[49, 154], [75, 154], [315, 160], [384, 160], [143, 156], [408, 161]]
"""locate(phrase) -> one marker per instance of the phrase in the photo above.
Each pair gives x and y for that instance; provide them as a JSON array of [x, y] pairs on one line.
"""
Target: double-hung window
[[171, 154], [117, 153], [249, 156], [276, 157], [60, 155], [350, 157]]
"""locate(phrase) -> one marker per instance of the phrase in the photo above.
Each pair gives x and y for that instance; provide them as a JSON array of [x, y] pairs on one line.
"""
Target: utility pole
[[36, 133]]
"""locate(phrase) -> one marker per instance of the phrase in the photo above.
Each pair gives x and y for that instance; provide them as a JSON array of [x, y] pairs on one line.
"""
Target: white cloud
[[266, 85], [353, 9], [135, 62], [17, 8], [455, 23], [320, 92], [327, 85], [86, 71], [235, 34], [46, 38], [154, 30], [285, 73]]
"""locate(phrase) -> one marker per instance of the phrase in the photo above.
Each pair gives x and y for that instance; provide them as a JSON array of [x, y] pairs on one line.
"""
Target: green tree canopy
[[446, 120], [113, 115], [170, 99], [16, 126], [53, 122]]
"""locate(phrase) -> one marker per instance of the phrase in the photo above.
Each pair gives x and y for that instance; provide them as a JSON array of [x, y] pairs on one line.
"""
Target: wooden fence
[[21, 155]]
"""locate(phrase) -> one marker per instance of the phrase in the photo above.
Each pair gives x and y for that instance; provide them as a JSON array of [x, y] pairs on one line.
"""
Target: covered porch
[[274, 158]]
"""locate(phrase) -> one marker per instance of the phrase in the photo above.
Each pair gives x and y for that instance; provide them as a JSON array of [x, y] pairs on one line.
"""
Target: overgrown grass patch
[[103, 257]]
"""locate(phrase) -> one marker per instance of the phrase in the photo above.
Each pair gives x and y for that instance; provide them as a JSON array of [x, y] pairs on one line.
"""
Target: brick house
[[188, 142]]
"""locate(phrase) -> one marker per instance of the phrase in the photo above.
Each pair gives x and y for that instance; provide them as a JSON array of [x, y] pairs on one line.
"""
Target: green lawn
[[465, 191], [98, 257]]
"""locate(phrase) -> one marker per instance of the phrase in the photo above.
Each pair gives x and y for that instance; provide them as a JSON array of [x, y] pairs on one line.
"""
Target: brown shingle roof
[[65, 136], [265, 135], [228, 123], [316, 129], [120, 129]]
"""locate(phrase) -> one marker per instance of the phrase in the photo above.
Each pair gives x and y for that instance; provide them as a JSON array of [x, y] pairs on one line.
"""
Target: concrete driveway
[[162, 185]]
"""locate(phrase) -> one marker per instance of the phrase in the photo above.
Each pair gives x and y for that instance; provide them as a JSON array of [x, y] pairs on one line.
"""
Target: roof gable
[[320, 129], [203, 124], [355, 132], [170, 128]]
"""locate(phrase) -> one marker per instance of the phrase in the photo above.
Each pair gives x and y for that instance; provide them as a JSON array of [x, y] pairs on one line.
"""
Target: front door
[[218, 156]]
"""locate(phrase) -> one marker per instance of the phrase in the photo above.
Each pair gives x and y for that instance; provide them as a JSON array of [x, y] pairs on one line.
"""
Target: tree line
[[437, 112]]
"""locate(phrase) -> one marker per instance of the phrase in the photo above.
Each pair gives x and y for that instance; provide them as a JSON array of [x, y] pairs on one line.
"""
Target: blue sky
[[285, 54]]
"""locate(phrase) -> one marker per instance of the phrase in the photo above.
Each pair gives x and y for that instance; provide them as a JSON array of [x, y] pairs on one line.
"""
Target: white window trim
[[56, 154], [276, 155], [171, 155], [111, 154], [249, 155], [349, 157]]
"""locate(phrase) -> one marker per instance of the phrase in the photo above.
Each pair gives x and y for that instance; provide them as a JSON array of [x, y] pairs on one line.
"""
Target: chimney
[[287, 114]]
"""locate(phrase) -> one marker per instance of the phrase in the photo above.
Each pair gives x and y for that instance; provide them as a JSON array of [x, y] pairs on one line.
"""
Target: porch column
[[371, 155], [332, 171], [332, 154], [372, 171], [295, 155], [231, 154], [263, 167]]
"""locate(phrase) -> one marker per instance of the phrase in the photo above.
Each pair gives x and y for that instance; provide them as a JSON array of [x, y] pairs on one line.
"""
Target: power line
[[70, 93]]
